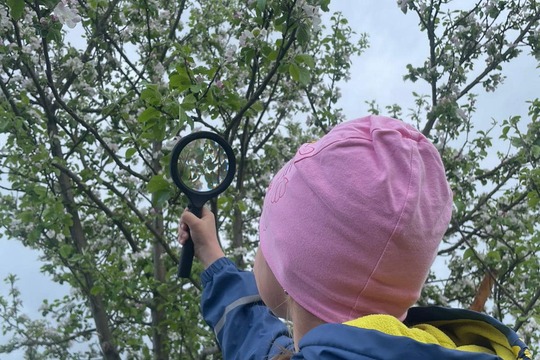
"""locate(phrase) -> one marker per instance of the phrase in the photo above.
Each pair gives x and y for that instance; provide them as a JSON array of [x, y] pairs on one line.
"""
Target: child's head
[[351, 225]]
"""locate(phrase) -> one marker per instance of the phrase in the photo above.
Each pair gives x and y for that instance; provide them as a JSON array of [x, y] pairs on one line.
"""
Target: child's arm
[[245, 328]]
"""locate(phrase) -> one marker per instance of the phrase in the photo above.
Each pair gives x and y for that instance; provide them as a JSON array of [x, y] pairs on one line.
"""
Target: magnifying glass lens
[[203, 165]]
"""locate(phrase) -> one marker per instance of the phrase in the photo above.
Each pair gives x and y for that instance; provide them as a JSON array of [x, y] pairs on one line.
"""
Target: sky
[[395, 41]]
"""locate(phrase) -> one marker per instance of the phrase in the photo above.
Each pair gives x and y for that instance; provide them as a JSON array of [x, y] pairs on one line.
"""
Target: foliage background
[[95, 126]]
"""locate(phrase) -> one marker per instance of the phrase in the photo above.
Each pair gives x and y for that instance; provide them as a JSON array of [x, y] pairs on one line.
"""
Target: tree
[[94, 116], [494, 234]]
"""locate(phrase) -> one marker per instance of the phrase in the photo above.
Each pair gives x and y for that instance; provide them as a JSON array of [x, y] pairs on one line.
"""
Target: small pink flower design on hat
[[280, 189], [278, 186], [306, 149]]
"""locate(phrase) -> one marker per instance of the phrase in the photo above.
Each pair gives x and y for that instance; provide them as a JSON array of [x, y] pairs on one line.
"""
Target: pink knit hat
[[351, 224]]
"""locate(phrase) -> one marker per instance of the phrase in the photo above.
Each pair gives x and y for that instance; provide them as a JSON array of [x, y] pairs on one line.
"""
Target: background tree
[[89, 118], [494, 234]]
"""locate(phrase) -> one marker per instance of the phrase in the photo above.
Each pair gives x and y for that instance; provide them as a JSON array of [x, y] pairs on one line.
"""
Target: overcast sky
[[395, 41]]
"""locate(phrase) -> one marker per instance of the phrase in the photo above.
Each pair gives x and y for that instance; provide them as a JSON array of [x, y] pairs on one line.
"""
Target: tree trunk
[[159, 335], [79, 241]]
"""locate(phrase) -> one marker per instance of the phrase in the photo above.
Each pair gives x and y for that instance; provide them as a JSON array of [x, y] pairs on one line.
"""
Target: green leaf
[[16, 8], [162, 196], [505, 131], [272, 55], [49, 3], [248, 54], [258, 106], [324, 5], [294, 71], [468, 253], [494, 255], [280, 21], [302, 34], [189, 99], [299, 74], [54, 33], [179, 81], [24, 98], [96, 290], [151, 95], [305, 76], [517, 142], [41, 191], [130, 152], [183, 118], [532, 199], [305, 59], [157, 183], [261, 4], [149, 113], [65, 250]]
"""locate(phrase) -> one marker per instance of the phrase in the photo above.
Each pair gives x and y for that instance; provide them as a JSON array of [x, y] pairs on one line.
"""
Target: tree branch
[[100, 204]]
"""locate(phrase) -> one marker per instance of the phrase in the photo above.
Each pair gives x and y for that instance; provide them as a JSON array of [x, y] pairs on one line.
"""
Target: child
[[349, 229]]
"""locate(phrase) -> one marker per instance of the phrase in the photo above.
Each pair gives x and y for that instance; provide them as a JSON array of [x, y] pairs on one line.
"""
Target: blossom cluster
[[66, 13], [312, 13], [5, 24]]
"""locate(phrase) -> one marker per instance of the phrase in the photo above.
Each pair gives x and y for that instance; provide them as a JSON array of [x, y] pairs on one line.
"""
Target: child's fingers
[[183, 237], [183, 231]]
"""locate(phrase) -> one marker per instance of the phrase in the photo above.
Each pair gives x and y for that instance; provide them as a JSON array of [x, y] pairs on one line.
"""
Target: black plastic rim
[[198, 198]]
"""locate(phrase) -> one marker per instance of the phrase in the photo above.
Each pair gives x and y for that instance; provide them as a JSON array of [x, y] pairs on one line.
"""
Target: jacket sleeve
[[245, 328]]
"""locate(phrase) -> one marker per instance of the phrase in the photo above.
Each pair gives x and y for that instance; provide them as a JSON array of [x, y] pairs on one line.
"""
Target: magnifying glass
[[202, 166]]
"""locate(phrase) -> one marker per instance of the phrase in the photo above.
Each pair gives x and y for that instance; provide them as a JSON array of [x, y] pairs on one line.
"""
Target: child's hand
[[203, 234]]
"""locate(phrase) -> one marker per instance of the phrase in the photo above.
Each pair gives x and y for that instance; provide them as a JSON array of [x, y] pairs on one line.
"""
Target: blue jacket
[[246, 329]]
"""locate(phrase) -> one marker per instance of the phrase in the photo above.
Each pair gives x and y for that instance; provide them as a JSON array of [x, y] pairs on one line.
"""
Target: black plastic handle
[[188, 250], [197, 199]]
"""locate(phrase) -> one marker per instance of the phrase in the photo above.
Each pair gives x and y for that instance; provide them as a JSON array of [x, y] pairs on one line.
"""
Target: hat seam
[[398, 222], [318, 151]]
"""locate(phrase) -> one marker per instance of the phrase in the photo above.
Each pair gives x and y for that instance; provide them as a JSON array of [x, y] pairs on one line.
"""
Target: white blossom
[[485, 217], [461, 113], [51, 332], [112, 146], [440, 145], [403, 4], [245, 37], [27, 83], [312, 12], [66, 13], [309, 10], [169, 145], [35, 43], [239, 251], [530, 326], [88, 90], [74, 64], [230, 53], [5, 24], [159, 69]]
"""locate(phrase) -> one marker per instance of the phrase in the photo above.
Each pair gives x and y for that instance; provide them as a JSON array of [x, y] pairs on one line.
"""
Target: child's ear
[[271, 291]]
